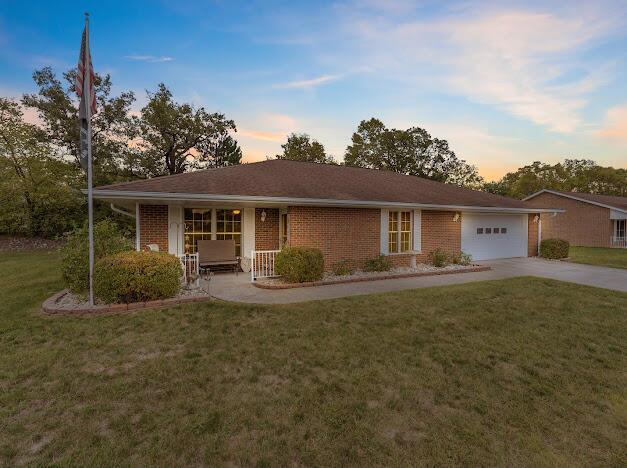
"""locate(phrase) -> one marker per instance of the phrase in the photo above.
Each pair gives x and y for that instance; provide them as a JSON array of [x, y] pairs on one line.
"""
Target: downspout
[[118, 210], [539, 234]]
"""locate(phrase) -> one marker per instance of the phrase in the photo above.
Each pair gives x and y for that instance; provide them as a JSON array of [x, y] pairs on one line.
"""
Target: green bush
[[439, 258], [299, 264], [380, 263], [137, 277], [75, 252], [554, 248], [343, 267], [462, 258]]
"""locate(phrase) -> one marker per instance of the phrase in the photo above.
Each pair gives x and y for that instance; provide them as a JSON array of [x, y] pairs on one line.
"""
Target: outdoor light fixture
[[456, 217], [263, 216], [236, 212], [536, 218]]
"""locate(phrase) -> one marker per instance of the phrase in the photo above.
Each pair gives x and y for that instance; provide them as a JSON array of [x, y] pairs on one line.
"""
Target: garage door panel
[[492, 236]]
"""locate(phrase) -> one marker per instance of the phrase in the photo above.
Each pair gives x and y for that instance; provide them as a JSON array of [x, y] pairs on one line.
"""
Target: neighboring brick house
[[588, 219], [346, 212]]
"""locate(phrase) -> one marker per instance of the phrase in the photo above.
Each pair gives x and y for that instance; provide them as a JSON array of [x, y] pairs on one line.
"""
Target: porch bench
[[217, 253]]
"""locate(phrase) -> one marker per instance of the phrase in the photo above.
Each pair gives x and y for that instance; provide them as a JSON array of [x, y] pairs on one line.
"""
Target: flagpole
[[90, 195]]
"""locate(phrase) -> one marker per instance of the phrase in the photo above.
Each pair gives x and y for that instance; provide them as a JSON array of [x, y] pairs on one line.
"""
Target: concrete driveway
[[239, 289]]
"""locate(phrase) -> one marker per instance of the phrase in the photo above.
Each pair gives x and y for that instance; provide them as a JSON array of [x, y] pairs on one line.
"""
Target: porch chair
[[214, 253]]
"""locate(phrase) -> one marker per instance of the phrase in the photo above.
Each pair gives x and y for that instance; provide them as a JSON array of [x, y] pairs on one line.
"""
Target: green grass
[[615, 258], [523, 371]]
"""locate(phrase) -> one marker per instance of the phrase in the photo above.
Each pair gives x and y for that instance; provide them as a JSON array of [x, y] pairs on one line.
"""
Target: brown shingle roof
[[292, 179], [609, 200]]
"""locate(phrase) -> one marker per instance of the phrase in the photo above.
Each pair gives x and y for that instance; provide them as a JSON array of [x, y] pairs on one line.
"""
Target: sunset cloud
[[311, 83], [615, 124]]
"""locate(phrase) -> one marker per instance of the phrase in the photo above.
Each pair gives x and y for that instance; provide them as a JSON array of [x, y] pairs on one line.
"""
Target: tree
[[300, 147], [224, 151], [173, 137], [573, 175], [38, 192], [412, 152], [112, 127]]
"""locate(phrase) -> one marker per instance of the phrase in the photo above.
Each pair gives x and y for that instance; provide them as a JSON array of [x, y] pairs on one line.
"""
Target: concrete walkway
[[239, 289]]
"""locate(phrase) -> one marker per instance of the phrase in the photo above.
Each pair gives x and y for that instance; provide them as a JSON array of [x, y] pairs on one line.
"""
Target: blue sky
[[506, 83]]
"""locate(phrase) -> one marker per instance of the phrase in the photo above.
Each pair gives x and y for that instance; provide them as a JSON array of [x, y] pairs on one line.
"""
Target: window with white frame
[[399, 231], [199, 225], [620, 228]]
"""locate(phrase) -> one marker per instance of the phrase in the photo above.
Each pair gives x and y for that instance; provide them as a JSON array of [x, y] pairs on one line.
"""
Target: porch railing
[[262, 264], [620, 242], [190, 265]]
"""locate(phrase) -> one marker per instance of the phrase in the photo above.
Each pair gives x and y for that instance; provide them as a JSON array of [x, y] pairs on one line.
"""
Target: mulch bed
[[360, 279], [56, 305], [12, 243]]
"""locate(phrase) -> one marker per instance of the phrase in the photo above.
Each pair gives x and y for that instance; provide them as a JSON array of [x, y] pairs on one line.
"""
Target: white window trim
[[415, 223]]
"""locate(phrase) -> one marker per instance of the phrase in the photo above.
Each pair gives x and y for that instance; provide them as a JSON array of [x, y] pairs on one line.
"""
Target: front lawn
[[615, 258], [523, 371]]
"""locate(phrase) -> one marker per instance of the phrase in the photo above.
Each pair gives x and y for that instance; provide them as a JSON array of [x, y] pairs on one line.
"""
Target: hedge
[[380, 263], [108, 240], [137, 277], [299, 264], [554, 248]]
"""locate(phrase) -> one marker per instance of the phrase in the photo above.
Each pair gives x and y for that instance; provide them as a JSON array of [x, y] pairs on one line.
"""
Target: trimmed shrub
[[380, 263], [462, 258], [75, 252], [137, 276], [439, 258], [554, 248], [343, 267], [299, 264]]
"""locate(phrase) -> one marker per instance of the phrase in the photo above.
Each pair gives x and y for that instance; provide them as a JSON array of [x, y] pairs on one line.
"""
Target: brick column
[[153, 226], [267, 232], [532, 236]]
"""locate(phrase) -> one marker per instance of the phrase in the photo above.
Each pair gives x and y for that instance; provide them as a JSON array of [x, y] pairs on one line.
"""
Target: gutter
[[182, 197], [121, 211], [574, 197]]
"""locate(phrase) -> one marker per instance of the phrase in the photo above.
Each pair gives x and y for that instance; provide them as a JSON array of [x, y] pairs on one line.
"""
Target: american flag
[[85, 79]]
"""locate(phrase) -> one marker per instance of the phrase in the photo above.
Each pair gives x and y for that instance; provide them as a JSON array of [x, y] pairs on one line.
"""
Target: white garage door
[[491, 236]]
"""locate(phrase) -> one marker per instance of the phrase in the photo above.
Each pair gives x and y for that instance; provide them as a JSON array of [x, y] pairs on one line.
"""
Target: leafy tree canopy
[[412, 152], [174, 138], [112, 128], [572, 175], [38, 193], [300, 147]]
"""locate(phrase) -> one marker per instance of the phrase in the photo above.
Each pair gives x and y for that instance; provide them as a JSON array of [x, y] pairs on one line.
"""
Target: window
[[399, 231], [229, 226], [393, 232], [197, 227], [503, 230], [495, 230], [479, 230], [488, 230], [620, 228]]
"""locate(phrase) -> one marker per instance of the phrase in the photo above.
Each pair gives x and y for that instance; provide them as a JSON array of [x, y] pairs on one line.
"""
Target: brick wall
[[340, 233], [532, 236], [581, 224], [439, 231], [354, 233], [153, 226], [267, 232]]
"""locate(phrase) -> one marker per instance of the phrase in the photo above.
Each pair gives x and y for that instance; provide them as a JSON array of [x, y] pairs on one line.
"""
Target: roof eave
[[182, 197], [560, 194]]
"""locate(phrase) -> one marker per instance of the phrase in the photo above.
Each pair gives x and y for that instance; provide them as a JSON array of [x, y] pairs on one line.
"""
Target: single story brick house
[[347, 212], [587, 220]]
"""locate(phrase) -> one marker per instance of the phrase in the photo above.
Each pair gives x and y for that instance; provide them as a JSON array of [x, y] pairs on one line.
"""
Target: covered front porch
[[258, 232]]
